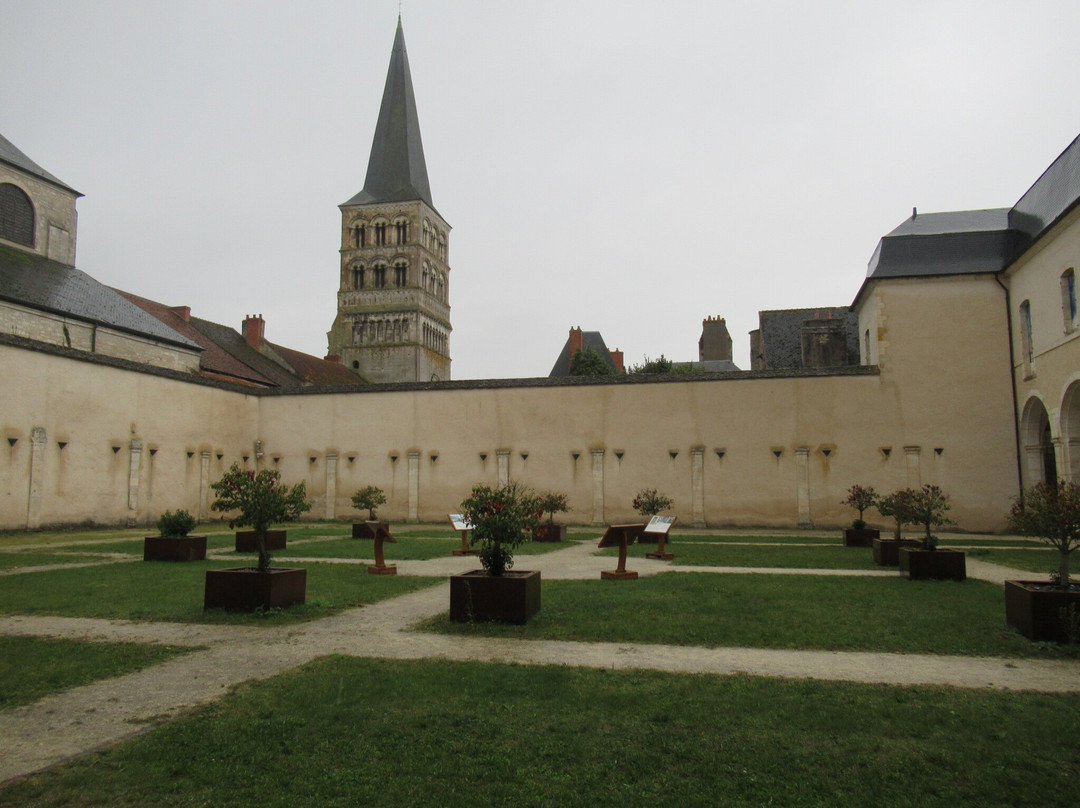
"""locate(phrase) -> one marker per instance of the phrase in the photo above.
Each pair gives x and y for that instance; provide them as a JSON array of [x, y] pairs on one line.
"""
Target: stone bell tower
[[393, 320]]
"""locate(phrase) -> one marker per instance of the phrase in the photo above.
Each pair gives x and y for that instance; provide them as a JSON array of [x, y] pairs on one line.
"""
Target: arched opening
[[16, 215], [1040, 461], [1070, 432]]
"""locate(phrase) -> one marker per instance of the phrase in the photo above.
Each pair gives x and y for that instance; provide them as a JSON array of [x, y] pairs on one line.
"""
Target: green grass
[[776, 611], [1042, 560], [15, 560], [220, 541], [174, 592], [705, 538], [31, 668], [347, 732], [832, 557], [409, 547]]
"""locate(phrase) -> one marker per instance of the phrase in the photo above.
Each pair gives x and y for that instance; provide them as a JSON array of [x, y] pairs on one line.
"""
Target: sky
[[624, 166]]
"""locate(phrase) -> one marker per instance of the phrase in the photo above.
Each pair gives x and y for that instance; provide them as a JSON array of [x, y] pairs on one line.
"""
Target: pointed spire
[[396, 168]]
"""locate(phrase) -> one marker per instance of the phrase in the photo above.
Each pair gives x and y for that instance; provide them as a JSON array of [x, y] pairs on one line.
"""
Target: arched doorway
[[1036, 437], [1070, 432]]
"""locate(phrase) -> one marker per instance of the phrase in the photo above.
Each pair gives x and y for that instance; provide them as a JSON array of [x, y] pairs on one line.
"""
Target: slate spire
[[396, 168]]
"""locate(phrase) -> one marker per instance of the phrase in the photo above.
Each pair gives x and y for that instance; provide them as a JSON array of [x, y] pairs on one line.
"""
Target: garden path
[[86, 718]]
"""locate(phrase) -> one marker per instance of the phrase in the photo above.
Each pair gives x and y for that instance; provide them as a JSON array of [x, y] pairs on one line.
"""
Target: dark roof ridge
[[11, 154]]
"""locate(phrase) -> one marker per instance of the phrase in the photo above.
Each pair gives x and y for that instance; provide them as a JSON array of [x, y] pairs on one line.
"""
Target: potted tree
[[1047, 610], [649, 502], [928, 508], [368, 498], [174, 542], [551, 503], [861, 499], [501, 519], [896, 505], [261, 500]]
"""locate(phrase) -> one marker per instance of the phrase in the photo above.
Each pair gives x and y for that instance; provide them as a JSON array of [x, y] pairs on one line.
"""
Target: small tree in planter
[[1047, 610], [649, 502], [174, 543], [928, 507], [369, 498], [551, 503], [861, 499], [262, 500], [898, 506], [501, 518]]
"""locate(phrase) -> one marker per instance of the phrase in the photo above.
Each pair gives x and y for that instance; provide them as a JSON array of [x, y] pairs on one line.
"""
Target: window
[[400, 273], [380, 276], [16, 215], [359, 234], [402, 231], [866, 347], [380, 234], [1068, 299], [358, 277], [1026, 341]]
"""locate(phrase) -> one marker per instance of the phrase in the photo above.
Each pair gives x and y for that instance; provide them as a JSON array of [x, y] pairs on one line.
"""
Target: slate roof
[[37, 282], [396, 170], [12, 156], [1053, 195], [589, 339]]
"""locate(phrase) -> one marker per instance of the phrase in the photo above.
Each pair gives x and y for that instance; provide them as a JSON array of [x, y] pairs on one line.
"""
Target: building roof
[[12, 156], [311, 370], [956, 243], [31, 280], [1053, 195], [396, 170], [215, 362], [591, 340]]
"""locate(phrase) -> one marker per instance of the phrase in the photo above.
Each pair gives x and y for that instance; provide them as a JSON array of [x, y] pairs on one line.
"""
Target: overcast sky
[[627, 167]]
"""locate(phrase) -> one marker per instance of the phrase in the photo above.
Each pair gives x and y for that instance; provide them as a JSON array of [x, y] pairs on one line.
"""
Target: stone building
[[964, 371], [393, 320]]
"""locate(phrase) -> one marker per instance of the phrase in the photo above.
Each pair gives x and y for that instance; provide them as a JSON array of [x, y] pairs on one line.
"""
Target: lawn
[[1042, 560], [776, 611], [346, 732], [31, 668], [15, 560], [174, 592]]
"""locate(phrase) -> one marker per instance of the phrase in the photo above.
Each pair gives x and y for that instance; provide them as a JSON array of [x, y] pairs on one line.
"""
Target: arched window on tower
[[16, 215], [380, 234], [380, 276], [401, 230], [1068, 299], [358, 277], [400, 273]]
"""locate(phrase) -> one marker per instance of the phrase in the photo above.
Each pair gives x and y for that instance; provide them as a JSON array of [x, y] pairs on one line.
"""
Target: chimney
[[575, 341], [617, 358], [184, 312], [254, 327], [333, 358]]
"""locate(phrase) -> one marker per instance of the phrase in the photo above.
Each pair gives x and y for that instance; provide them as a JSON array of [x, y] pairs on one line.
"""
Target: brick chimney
[[183, 311], [617, 358], [575, 341], [254, 327]]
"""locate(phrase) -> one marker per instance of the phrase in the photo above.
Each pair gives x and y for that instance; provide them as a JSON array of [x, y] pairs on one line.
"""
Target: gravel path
[[85, 718]]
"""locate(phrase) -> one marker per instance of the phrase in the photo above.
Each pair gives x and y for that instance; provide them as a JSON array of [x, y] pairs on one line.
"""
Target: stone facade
[[393, 321], [54, 214]]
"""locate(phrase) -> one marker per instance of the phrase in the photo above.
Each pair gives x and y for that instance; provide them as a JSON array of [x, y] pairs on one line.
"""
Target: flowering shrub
[[650, 502], [262, 500], [501, 519], [860, 499], [175, 524], [1051, 513], [552, 503], [368, 499]]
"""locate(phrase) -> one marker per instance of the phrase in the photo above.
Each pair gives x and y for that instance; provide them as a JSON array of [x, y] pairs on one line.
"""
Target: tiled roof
[[589, 339], [315, 371], [215, 362], [37, 282]]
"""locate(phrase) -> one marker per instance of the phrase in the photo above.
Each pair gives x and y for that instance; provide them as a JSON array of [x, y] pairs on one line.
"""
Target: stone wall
[[54, 215]]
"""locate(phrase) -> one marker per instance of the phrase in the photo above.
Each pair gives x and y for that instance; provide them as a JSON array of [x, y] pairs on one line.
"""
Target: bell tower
[[393, 319]]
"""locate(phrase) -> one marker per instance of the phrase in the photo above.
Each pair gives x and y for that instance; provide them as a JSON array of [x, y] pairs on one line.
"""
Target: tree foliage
[[261, 499], [861, 499], [551, 503], [175, 524], [369, 498], [928, 508], [650, 502], [588, 362], [1051, 513], [898, 506], [660, 365], [501, 519]]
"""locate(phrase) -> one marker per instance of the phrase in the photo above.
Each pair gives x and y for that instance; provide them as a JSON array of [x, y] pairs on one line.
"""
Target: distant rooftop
[[11, 155]]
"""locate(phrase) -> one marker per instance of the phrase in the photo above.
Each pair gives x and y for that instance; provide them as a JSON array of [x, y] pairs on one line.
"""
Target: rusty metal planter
[[512, 597]]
